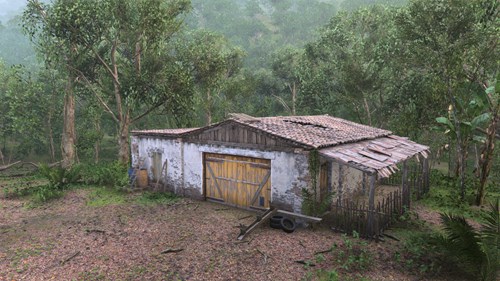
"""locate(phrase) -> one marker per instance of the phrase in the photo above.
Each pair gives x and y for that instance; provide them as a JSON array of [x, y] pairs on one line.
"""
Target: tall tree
[[349, 65], [123, 55], [286, 66], [213, 60], [456, 41]]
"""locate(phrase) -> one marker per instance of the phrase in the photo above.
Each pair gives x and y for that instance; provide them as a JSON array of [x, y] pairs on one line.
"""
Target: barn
[[259, 162]]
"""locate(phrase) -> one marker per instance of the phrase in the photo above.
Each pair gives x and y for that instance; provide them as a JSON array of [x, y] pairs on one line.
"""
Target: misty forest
[[78, 76]]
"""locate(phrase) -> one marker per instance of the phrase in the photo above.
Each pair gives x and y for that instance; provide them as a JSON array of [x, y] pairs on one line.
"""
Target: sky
[[11, 6]]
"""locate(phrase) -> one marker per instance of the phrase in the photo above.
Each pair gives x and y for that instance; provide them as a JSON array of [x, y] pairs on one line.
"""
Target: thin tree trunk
[[51, 137], [123, 116], [97, 144], [459, 148], [69, 135], [367, 109], [209, 108], [487, 159], [1, 157], [294, 98]]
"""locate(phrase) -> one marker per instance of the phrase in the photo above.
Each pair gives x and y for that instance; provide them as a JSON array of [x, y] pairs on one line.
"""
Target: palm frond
[[463, 242]]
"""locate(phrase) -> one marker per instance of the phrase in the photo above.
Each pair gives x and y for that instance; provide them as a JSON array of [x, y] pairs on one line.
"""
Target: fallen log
[[2, 168], [37, 166]]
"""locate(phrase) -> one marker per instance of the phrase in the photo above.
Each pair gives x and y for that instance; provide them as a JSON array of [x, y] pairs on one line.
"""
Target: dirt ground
[[67, 239]]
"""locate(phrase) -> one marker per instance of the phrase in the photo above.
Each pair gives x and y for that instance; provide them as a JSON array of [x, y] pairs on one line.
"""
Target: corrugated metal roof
[[378, 155]]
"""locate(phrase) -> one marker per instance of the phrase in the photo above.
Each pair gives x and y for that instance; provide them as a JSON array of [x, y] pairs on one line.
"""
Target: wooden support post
[[404, 185], [425, 175], [364, 184], [371, 208], [341, 181], [329, 177]]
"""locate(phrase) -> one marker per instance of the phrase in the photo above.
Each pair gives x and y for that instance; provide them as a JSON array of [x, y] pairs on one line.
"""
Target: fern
[[478, 251]]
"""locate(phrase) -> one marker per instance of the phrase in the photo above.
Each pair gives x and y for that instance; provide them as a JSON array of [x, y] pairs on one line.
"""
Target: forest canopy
[[90, 71]]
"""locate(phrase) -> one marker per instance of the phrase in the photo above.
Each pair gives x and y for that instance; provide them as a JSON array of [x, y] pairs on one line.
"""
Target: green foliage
[[153, 198], [310, 204], [477, 251], [421, 251], [59, 177], [102, 196], [45, 193], [444, 195], [106, 174], [354, 254]]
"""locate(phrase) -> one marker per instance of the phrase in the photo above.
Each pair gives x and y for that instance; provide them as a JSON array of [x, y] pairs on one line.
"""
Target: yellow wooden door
[[239, 181]]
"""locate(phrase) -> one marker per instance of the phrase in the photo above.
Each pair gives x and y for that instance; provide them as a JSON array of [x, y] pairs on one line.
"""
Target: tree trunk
[[69, 134], [487, 159], [459, 145], [1, 157], [123, 140], [209, 108], [367, 109], [294, 98], [97, 144], [51, 135]]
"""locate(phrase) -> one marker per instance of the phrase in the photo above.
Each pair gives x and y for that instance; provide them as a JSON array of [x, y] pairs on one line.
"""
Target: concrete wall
[[184, 175]]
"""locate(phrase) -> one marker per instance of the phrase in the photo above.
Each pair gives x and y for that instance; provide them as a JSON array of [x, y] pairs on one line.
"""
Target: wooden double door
[[236, 180]]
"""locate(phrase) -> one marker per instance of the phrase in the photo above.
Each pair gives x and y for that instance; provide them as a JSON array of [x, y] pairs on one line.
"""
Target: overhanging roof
[[379, 155]]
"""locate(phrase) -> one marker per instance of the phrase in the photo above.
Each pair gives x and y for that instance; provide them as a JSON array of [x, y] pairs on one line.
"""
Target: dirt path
[[68, 240]]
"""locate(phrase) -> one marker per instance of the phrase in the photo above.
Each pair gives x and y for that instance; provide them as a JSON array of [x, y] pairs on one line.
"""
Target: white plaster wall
[[289, 171], [352, 180], [170, 152]]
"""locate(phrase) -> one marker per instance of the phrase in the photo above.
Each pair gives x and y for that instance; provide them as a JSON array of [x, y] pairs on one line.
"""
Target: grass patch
[[154, 198], [101, 196]]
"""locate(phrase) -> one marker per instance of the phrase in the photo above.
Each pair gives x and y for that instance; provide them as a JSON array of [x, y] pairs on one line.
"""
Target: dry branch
[[263, 254], [171, 250], [307, 263], [95, 230], [70, 258], [245, 217], [323, 252]]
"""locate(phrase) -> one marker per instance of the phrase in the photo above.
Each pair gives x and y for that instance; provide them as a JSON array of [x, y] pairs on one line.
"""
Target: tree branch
[[99, 98], [146, 112]]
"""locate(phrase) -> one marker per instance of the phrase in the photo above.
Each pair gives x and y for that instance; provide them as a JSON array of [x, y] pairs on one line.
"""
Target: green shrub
[[313, 207], [149, 198], [108, 174], [44, 193], [421, 252], [59, 177]]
